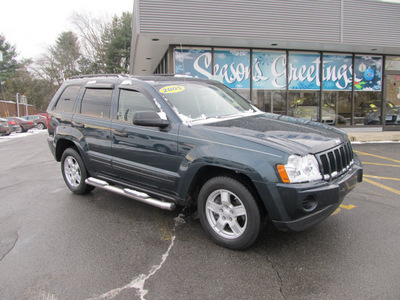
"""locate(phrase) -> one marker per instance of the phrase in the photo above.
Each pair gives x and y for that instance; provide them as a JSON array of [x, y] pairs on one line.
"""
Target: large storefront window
[[367, 87], [296, 83], [269, 81], [337, 87], [392, 93], [304, 86]]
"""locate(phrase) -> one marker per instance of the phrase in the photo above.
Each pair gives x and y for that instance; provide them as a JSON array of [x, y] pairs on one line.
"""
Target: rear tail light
[[12, 122], [30, 122]]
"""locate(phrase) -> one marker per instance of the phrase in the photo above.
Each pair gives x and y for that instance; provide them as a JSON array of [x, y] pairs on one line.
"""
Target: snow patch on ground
[[138, 282], [15, 135]]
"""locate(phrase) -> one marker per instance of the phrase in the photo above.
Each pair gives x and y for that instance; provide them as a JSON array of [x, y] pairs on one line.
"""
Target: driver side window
[[130, 102]]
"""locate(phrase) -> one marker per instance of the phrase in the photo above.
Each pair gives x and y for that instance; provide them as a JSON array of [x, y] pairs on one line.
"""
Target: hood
[[289, 134]]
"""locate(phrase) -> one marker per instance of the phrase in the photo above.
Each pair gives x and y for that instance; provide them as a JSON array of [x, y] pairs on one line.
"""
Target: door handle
[[78, 125], [120, 133]]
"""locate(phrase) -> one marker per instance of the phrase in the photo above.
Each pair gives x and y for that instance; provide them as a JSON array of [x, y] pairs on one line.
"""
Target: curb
[[389, 136]]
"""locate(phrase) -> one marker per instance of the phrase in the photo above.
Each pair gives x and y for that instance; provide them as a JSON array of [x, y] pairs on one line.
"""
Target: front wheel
[[229, 213], [74, 172]]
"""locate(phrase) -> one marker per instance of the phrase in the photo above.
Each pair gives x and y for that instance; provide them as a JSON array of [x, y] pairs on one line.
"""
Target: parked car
[[392, 117], [39, 120], [5, 128], [238, 165], [370, 106], [20, 124], [308, 110]]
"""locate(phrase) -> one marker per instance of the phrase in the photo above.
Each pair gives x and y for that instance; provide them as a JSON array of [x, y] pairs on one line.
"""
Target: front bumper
[[327, 198]]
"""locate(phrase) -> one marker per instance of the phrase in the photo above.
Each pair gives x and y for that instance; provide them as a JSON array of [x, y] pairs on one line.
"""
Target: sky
[[33, 25]]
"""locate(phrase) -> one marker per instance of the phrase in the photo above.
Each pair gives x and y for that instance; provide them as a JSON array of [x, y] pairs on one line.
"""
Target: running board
[[135, 195]]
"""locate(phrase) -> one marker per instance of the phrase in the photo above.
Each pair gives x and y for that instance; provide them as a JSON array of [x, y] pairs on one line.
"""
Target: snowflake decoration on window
[[221, 56], [239, 53], [181, 56]]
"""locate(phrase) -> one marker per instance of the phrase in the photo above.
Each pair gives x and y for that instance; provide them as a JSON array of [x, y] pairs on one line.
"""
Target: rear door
[[93, 121], [144, 156]]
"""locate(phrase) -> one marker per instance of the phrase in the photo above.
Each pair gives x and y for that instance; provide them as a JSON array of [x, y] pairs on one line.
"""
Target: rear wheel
[[40, 126], [74, 172], [229, 213], [19, 129]]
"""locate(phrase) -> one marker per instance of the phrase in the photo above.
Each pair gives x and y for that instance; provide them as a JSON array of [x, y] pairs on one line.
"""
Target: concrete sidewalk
[[372, 135]]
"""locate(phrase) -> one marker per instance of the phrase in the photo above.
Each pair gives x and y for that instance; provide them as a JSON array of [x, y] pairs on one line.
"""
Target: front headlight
[[299, 169]]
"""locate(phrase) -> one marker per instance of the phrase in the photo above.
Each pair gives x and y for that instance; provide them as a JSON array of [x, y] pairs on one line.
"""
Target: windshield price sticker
[[172, 89]]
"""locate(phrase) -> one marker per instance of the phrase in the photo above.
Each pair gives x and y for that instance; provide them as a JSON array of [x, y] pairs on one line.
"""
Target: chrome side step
[[135, 195]]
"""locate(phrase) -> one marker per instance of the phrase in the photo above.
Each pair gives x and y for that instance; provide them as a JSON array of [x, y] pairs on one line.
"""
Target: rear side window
[[67, 99], [96, 102]]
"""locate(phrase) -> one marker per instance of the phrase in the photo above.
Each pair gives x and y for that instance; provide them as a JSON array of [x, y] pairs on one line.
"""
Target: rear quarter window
[[67, 99]]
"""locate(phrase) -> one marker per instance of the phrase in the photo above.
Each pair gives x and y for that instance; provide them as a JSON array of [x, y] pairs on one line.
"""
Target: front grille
[[336, 161]]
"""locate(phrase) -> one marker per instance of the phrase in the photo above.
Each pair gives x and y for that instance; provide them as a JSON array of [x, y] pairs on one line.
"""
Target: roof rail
[[100, 75]]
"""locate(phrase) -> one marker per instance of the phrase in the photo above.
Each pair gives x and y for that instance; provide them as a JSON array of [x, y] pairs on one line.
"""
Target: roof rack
[[100, 75]]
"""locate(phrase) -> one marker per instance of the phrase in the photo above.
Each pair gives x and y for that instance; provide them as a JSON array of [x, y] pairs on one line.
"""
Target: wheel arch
[[205, 173], [62, 145]]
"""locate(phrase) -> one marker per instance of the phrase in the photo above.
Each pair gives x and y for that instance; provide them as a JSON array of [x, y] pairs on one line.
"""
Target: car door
[[144, 156], [93, 121]]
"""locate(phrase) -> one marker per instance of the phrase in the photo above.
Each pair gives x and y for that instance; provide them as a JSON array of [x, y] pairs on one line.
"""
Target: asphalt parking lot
[[56, 245]]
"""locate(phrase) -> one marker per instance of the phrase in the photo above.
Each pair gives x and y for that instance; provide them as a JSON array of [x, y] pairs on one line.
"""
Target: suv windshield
[[198, 101]]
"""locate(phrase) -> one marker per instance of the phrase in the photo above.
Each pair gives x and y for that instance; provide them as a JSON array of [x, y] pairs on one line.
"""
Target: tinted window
[[131, 102], [96, 102], [67, 99]]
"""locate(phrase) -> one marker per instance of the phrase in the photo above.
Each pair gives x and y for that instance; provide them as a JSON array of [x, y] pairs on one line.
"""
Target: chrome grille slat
[[336, 161]]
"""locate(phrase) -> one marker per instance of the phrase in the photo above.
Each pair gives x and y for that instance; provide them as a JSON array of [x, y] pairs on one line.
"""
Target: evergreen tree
[[118, 44], [8, 63]]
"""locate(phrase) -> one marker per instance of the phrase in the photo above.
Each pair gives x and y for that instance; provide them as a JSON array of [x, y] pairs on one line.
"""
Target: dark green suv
[[169, 141]]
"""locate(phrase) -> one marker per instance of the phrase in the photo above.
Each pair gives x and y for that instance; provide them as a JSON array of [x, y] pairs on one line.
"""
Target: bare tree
[[60, 61], [91, 32]]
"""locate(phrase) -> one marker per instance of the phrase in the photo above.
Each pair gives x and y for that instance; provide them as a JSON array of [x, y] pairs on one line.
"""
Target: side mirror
[[149, 118]]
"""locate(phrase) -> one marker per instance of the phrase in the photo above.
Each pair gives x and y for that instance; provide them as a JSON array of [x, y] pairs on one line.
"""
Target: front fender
[[257, 166]]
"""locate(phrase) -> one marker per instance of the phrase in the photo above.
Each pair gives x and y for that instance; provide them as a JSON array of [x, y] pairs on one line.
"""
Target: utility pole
[[25, 101], [17, 97]]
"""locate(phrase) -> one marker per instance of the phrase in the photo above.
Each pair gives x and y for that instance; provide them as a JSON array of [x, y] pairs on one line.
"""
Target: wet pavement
[[57, 245]]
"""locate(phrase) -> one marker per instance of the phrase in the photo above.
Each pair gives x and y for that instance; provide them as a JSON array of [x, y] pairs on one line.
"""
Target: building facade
[[12, 109], [331, 61]]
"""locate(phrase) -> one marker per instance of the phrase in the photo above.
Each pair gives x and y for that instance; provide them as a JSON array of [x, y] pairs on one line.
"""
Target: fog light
[[309, 204]]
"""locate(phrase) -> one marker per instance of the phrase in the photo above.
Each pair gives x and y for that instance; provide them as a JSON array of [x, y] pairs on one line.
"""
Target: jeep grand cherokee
[[169, 141]]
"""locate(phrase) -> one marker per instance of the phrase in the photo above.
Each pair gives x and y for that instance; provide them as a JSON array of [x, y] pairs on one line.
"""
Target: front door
[[391, 108], [146, 157]]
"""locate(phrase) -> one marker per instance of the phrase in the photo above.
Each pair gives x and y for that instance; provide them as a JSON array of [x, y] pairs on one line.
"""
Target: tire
[[19, 129], [74, 172], [40, 126], [229, 213]]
